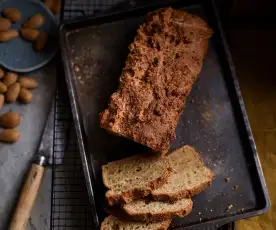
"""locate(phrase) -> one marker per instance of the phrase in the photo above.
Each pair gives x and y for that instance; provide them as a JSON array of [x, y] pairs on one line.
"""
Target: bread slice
[[188, 178], [113, 223], [134, 177], [151, 211]]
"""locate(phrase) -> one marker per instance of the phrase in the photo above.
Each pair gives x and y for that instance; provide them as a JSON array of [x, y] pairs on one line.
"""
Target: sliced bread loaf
[[151, 211], [188, 178], [134, 177], [113, 223]]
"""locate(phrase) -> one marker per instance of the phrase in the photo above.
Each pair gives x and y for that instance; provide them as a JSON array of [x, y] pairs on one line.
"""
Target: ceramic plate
[[18, 55]]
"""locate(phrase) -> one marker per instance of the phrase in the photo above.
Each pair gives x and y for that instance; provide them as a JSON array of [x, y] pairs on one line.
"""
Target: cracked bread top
[[164, 62]]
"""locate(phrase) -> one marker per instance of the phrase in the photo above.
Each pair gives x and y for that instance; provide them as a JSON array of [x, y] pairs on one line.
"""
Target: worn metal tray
[[214, 121]]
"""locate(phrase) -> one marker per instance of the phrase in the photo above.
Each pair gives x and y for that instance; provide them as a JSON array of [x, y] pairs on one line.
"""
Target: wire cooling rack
[[70, 204]]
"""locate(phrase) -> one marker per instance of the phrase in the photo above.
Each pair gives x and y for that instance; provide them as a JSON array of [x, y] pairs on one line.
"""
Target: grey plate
[[18, 55]]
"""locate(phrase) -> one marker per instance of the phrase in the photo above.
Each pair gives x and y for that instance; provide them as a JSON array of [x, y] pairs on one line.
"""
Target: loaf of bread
[[164, 62], [134, 177], [113, 223], [188, 178]]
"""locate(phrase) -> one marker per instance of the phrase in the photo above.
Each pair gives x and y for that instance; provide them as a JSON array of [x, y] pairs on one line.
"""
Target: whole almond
[[10, 78], [25, 96], [9, 135], [29, 34], [2, 100], [13, 92], [5, 24], [10, 120], [12, 13], [3, 87], [41, 41], [35, 21], [8, 35], [49, 3], [2, 73], [56, 6], [28, 83]]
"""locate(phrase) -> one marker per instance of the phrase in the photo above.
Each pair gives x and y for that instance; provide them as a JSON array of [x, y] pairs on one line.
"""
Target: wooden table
[[253, 52]]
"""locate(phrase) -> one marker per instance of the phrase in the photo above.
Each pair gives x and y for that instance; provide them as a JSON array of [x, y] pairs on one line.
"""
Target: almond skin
[[41, 41], [35, 21], [12, 14], [10, 78], [49, 3], [56, 7], [28, 83], [8, 35], [9, 135], [29, 34], [3, 87], [5, 24], [2, 100], [25, 96], [10, 120], [13, 92], [2, 73]]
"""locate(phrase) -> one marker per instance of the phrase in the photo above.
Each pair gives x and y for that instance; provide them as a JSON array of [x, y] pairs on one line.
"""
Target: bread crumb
[[228, 179], [76, 68], [236, 187], [230, 206]]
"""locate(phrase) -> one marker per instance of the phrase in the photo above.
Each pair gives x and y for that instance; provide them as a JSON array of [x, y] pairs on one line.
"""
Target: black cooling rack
[[70, 203]]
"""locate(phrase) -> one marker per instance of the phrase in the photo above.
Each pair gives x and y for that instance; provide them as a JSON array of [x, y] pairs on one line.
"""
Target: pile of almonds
[[12, 89], [29, 30]]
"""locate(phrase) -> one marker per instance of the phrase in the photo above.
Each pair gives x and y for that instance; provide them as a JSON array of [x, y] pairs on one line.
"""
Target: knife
[[34, 178]]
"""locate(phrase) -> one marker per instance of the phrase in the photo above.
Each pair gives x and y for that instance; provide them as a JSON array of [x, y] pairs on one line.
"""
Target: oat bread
[[164, 62], [151, 211], [188, 178], [113, 223], [134, 177]]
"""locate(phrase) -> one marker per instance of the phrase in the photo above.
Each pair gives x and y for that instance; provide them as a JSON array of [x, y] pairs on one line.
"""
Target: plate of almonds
[[28, 34]]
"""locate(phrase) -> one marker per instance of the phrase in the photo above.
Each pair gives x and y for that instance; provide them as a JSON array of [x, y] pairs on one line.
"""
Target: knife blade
[[34, 177], [45, 150]]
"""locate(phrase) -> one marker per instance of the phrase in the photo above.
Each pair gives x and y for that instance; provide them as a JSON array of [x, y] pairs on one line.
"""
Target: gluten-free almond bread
[[113, 223], [163, 64], [134, 177]]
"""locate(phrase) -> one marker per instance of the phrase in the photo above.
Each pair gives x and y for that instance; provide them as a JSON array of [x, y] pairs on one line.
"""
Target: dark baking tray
[[214, 121]]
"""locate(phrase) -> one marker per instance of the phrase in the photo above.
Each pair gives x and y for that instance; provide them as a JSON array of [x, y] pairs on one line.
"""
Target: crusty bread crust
[[159, 216], [113, 198], [185, 193], [130, 195], [162, 66], [164, 224]]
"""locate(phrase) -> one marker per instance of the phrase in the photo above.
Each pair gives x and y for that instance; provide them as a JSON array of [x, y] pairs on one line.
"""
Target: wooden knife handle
[[27, 197]]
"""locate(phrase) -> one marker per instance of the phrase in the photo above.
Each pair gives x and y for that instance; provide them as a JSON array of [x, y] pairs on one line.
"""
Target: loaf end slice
[[113, 223], [150, 211], [189, 176], [134, 177]]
